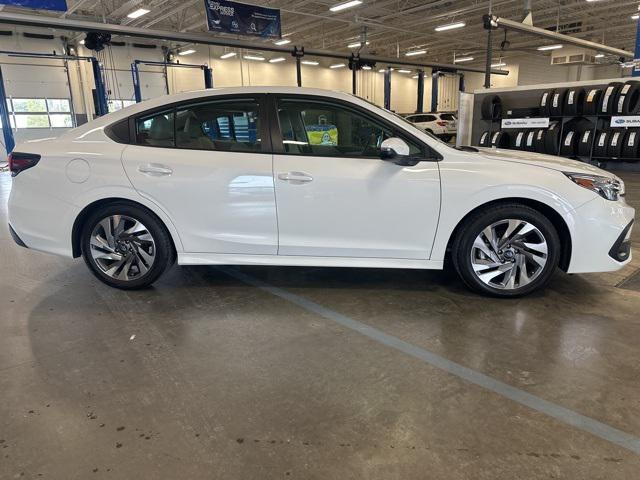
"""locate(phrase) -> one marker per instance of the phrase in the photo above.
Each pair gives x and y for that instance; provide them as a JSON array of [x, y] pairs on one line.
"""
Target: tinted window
[[155, 130], [318, 128], [226, 125], [447, 116]]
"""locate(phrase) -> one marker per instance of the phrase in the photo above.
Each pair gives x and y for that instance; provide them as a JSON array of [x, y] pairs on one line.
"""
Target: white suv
[[434, 123], [295, 176]]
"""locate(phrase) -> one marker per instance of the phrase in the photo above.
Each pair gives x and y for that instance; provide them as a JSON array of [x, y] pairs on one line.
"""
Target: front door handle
[[155, 170], [297, 178]]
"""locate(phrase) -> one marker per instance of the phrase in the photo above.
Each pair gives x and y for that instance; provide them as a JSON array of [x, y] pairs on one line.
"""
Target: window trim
[[259, 98], [276, 133]]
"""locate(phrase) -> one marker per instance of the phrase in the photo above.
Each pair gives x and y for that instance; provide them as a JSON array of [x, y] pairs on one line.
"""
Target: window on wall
[[40, 112]]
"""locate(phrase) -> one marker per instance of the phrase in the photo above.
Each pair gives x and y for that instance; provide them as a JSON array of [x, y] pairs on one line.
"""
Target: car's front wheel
[[125, 246], [506, 250]]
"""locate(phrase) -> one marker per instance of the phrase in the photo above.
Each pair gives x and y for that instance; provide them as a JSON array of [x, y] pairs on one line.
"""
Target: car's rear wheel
[[125, 246], [506, 250]]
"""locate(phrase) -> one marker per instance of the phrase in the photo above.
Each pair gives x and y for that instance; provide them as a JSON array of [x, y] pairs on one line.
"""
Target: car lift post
[[135, 74], [387, 88], [7, 132], [102, 106], [434, 90], [420, 104]]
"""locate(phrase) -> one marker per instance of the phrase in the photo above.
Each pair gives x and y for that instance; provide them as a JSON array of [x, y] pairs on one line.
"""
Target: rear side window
[[447, 116], [224, 125], [156, 130]]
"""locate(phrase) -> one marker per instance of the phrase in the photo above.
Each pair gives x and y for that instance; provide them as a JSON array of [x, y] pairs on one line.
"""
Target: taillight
[[442, 124], [19, 161]]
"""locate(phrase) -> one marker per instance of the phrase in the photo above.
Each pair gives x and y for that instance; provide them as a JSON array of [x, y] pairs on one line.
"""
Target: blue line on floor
[[565, 415]]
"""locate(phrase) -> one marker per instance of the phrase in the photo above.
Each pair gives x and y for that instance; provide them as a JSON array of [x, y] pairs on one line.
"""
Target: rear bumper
[[601, 236]]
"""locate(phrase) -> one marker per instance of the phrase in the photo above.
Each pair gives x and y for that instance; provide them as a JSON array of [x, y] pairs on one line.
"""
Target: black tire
[[592, 101], [538, 142], [574, 101], [501, 139], [491, 108], [615, 143], [552, 139], [601, 145], [631, 145], [628, 102], [530, 141], [545, 103], [557, 102], [164, 250], [610, 98], [483, 141], [463, 242], [586, 141]]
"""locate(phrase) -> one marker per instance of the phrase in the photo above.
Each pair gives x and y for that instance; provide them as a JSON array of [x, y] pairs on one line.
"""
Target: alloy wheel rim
[[509, 254], [122, 247]]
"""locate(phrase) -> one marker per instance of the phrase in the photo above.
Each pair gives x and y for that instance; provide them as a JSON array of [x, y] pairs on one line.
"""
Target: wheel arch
[[554, 217], [78, 223]]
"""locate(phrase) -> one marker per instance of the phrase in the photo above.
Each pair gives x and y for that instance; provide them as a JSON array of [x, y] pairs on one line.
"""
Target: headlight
[[606, 187]]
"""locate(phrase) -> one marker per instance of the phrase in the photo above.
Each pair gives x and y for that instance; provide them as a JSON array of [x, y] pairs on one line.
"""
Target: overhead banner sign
[[57, 5], [525, 122], [242, 19]]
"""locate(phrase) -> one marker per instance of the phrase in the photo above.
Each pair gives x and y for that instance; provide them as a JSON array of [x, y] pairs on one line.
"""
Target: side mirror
[[397, 151]]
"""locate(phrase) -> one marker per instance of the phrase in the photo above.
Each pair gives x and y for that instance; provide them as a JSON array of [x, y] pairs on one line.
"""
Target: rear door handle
[[296, 178], [155, 170]]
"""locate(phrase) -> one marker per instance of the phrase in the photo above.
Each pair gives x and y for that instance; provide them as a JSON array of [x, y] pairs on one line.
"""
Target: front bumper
[[16, 238], [601, 236]]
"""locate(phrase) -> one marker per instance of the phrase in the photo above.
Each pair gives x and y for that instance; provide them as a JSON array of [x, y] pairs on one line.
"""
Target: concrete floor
[[207, 376]]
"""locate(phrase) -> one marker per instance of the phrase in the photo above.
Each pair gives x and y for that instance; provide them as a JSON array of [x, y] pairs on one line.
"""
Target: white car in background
[[293, 176], [442, 125]]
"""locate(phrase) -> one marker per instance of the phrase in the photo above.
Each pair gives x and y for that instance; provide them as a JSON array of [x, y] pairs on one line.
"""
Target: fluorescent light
[[337, 65], [366, 67], [277, 59], [345, 5], [600, 55], [498, 65], [356, 44], [253, 57], [415, 76], [549, 47], [450, 26], [138, 13], [228, 55], [284, 41], [310, 62], [382, 70], [187, 52], [81, 42], [415, 52], [463, 59], [635, 17], [402, 70]]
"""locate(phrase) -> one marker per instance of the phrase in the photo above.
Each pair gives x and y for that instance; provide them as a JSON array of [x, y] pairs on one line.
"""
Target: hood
[[560, 164]]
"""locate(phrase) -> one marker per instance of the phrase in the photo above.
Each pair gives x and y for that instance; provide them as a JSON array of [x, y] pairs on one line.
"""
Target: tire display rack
[[579, 116]]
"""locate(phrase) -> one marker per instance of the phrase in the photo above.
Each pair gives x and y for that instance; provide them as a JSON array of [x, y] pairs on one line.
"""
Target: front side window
[[156, 130], [318, 128], [222, 125]]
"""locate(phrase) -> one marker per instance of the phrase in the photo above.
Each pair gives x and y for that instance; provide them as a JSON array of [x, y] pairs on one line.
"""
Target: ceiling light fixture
[[310, 62], [138, 13], [366, 67], [253, 57], [356, 44], [404, 71], [187, 52], [498, 65], [228, 55], [600, 55], [284, 41], [345, 5], [413, 53], [277, 60], [635, 17], [450, 26], [463, 59], [337, 65], [549, 47]]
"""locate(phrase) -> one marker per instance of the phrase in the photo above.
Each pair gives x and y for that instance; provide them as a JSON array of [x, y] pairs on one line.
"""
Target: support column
[[387, 88], [7, 132], [298, 53], [420, 104], [208, 77], [636, 58], [135, 73], [434, 90]]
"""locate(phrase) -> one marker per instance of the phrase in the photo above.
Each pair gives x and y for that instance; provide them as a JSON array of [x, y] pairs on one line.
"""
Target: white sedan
[[294, 176]]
